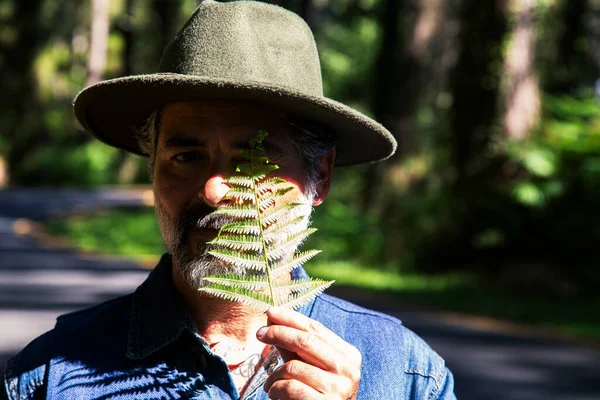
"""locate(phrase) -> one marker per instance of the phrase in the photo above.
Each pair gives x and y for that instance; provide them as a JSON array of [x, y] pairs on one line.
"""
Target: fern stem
[[262, 234]]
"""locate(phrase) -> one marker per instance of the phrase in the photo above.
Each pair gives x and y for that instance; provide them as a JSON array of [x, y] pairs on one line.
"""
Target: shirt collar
[[158, 315]]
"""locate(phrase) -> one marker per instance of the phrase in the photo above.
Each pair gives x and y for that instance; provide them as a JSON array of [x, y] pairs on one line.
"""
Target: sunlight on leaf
[[262, 237]]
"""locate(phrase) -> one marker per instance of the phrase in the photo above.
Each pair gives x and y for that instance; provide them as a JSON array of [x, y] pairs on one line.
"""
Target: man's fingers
[[308, 346], [293, 319], [293, 390], [322, 381], [286, 355]]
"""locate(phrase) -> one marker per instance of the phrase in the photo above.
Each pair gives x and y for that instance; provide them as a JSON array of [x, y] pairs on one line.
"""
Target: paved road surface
[[37, 284]]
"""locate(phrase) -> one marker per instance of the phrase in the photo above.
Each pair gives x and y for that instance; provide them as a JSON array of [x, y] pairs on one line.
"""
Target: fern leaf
[[237, 211], [241, 228], [261, 303], [253, 283], [275, 192], [240, 181], [265, 203], [299, 299], [298, 286], [262, 236], [256, 172], [270, 184], [284, 266], [280, 226], [242, 242], [240, 193], [273, 214], [241, 259], [281, 249]]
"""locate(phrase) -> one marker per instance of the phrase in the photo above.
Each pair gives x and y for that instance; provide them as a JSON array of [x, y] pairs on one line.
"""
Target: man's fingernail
[[262, 332], [275, 310]]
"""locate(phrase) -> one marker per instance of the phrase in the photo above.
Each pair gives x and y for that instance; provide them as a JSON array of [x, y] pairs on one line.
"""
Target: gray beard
[[194, 268]]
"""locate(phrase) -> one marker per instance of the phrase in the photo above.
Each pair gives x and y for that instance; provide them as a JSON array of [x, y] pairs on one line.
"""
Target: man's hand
[[318, 364]]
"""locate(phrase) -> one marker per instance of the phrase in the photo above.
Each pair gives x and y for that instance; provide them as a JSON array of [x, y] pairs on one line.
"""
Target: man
[[234, 69]]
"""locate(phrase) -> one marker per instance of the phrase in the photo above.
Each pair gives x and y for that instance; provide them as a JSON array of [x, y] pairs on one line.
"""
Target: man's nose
[[214, 191]]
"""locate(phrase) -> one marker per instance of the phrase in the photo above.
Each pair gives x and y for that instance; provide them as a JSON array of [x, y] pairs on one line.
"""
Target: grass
[[134, 234]]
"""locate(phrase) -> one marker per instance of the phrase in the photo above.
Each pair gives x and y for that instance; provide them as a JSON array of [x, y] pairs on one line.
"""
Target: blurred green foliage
[[89, 164], [460, 195], [128, 233], [135, 234]]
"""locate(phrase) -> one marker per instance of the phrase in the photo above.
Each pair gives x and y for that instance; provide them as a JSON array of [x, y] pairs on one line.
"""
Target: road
[[38, 283]]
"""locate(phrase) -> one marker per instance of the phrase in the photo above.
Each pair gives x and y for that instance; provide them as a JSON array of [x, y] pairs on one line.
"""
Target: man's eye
[[189, 156]]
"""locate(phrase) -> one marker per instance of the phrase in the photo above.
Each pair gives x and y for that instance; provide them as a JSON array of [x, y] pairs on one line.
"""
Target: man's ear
[[325, 174]]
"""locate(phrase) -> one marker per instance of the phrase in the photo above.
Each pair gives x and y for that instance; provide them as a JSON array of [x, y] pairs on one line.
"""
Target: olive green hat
[[241, 51]]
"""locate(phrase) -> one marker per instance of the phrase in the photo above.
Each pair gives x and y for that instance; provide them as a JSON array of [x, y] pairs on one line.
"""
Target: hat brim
[[111, 109]]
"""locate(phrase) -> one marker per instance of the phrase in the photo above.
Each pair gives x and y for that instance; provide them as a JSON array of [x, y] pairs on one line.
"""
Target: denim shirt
[[145, 346]]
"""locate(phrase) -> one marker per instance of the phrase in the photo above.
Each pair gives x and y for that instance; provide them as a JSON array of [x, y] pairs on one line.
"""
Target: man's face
[[198, 147]]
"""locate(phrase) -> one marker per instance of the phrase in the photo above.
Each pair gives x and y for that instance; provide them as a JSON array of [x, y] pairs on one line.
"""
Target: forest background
[[495, 105]]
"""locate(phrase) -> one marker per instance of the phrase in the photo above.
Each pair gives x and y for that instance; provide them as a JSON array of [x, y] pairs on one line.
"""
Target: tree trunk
[[474, 83], [521, 93], [126, 165], [442, 56], [127, 33], [563, 75], [98, 41], [398, 81], [474, 87], [166, 13], [385, 75], [20, 105]]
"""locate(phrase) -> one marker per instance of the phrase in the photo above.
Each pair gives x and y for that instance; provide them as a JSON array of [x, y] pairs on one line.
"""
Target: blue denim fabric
[[145, 346]]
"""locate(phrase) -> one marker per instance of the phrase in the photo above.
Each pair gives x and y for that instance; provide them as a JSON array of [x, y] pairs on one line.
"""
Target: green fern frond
[[257, 172], [298, 286], [261, 303], [261, 236], [270, 184], [241, 228], [263, 204], [241, 242], [244, 260], [280, 226], [240, 181], [253, 282], [276, 213], [237, 211], [279, 250], [284, 267], [240, 193], [299, 299], [274, 192]]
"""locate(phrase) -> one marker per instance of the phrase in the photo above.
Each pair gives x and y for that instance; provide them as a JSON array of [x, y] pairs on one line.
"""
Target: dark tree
[[565, 74], [18, 101], [166, 17], [475, 82]]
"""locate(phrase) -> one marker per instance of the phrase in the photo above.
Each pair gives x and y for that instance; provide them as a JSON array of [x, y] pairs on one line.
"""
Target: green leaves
[[264, 231]]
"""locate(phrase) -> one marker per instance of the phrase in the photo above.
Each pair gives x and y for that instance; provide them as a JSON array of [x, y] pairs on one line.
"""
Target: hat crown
[[246, 41]]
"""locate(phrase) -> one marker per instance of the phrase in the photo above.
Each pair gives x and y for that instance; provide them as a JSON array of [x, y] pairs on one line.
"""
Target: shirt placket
[[253, 390]]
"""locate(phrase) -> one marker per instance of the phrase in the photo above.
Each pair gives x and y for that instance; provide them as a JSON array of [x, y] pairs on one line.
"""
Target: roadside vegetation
[[134, 234]]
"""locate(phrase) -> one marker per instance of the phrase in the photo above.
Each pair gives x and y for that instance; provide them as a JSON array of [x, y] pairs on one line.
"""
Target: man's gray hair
[[309, 140]]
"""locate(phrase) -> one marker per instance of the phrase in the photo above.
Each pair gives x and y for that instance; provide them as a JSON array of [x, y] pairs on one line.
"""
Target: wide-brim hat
[[240, 51]]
